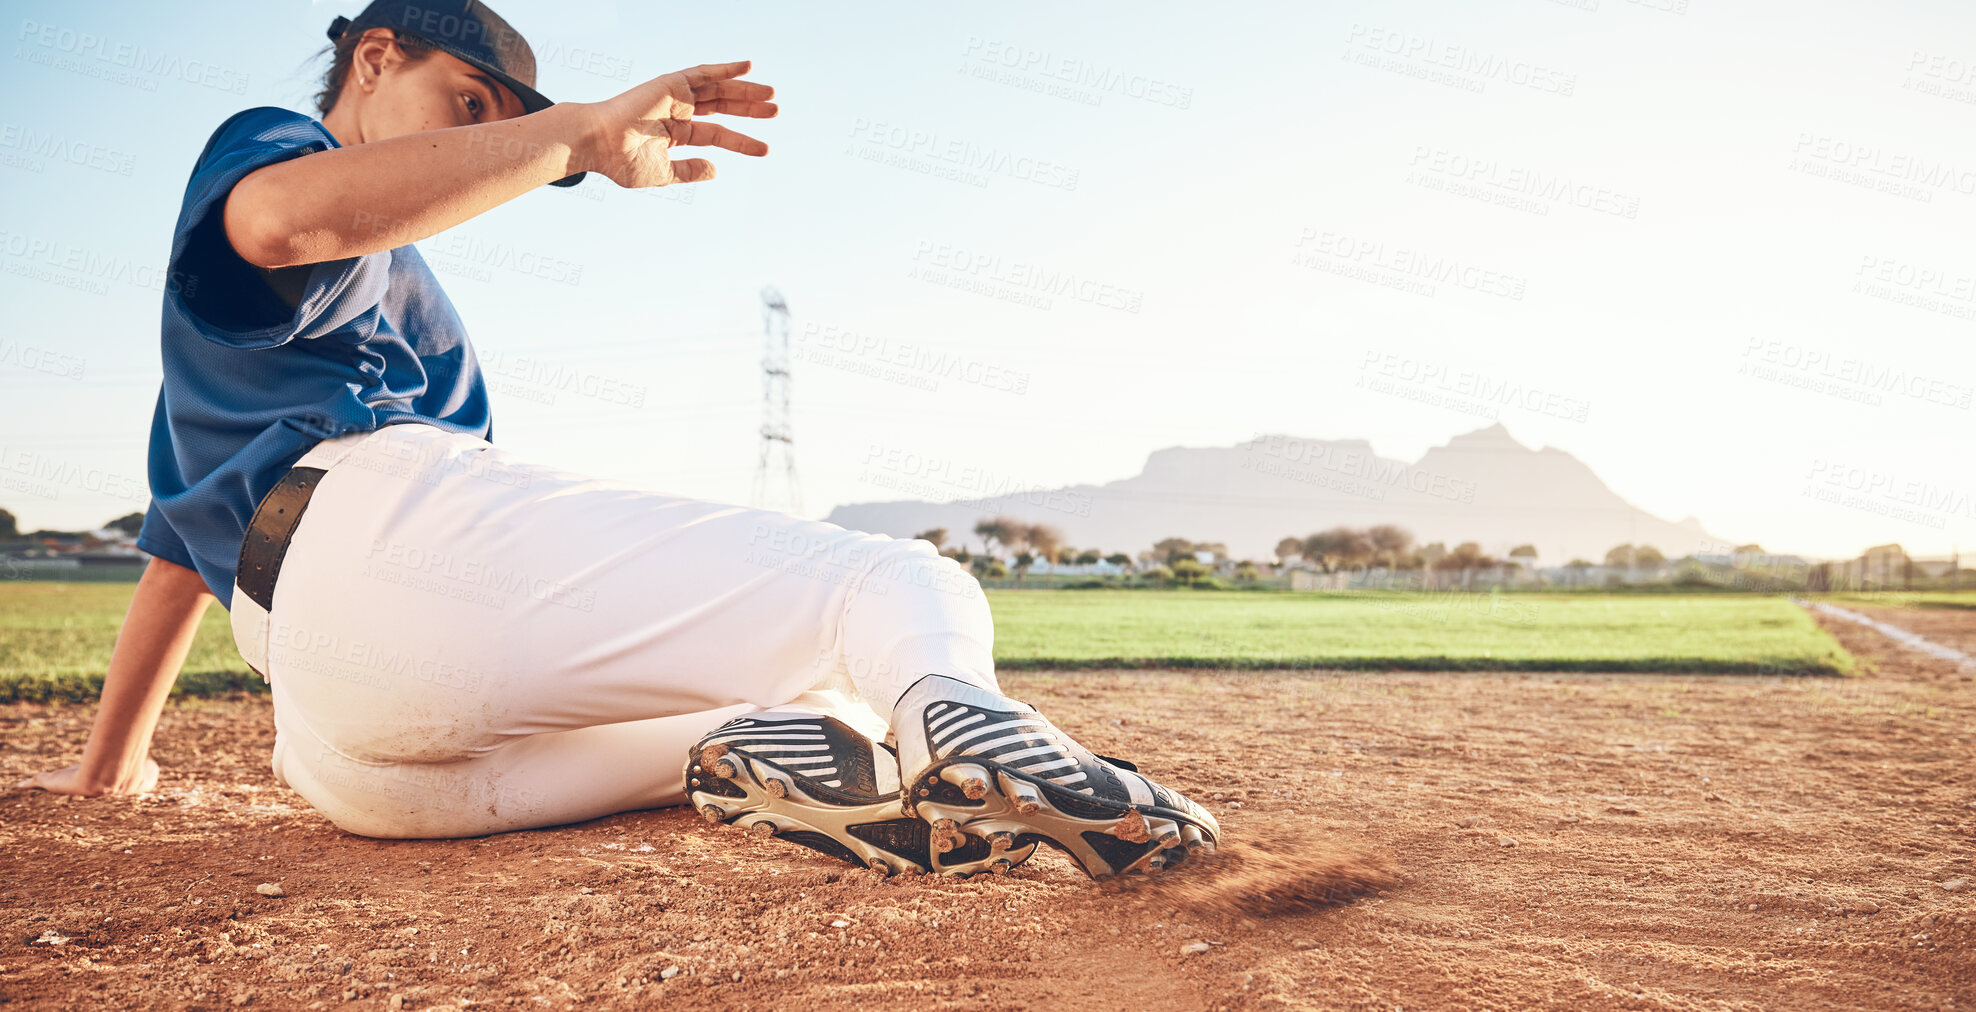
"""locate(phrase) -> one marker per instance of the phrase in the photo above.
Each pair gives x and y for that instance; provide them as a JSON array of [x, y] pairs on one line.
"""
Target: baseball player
[[461, 642]]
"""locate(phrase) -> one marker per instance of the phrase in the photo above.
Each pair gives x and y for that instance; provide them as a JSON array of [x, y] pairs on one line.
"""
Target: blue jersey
[[250, 383]]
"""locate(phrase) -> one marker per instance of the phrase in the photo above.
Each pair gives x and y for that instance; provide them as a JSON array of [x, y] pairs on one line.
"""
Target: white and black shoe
[[813, 780], [989, 768]]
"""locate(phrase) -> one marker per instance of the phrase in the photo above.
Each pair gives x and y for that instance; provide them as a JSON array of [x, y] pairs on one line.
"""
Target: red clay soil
[[1530, 841]]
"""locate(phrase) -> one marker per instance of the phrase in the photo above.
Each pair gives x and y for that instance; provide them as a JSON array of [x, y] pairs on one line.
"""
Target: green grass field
[[55, 638], [1964, 600], [1412, 631]]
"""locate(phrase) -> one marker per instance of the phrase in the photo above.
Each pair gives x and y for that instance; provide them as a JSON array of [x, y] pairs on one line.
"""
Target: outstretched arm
[[151, 647], [348, 202]]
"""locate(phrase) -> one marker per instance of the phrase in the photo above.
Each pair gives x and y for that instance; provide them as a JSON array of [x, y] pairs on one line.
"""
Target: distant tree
[[1157, 574], [1620, 557], [1190, 571], [1091, 556], [1171, 550], [1219, 550], [1432, 554], [1287, 548], [1750, 550], [1339, 546], [959, 554], [1580, 564], [1023, 560], [988, 567], [1066, 556], [1648, 557], [1043, 540], [1246, 571], [1523, 552], [129, 523], [998, 532], [1120, 559], [1390, 544], [937, 535], [9, 527]]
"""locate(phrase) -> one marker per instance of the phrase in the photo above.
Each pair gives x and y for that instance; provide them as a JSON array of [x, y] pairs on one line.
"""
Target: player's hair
[[341, 52]]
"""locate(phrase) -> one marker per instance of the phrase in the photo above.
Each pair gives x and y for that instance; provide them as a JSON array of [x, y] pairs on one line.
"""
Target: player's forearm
[[157, 634], [348, 202]]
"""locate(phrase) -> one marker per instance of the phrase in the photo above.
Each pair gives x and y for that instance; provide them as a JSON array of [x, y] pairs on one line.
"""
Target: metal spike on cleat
[[776, 787], [1190, 837], [763, 828], [1000, 866], [946, 835], [971, 779], [1028, 800], [1165, 832], [1000, 841], [727, 769], [1132, 828], [712, 753], [878, 865], [712, 813]]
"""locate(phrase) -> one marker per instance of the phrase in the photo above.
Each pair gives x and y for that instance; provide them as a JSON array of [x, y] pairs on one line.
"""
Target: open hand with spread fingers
[[638, 129]]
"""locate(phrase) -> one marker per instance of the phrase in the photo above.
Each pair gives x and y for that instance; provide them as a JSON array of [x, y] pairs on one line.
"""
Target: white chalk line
[[1895, 633]]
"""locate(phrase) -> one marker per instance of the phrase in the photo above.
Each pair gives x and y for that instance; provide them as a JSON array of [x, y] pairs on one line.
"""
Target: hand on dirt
[[70, 780], [640, 127]]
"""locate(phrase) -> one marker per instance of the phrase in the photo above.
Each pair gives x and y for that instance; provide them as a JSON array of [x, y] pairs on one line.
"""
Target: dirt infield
[[1571, 841]]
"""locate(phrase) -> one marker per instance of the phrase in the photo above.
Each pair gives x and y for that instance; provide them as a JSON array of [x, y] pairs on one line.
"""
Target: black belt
[[268, 534]]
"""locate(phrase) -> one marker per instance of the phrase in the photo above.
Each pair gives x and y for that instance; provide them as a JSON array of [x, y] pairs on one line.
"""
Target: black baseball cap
[[466, 29]]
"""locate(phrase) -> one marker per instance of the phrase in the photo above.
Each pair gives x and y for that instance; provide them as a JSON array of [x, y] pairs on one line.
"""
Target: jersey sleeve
[[157, 538], [229, 299]]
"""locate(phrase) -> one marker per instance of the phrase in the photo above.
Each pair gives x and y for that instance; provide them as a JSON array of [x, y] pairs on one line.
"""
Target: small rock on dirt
[[669, 973], [1505, 842], [1955, 883], [1866, 907], [270, 889]]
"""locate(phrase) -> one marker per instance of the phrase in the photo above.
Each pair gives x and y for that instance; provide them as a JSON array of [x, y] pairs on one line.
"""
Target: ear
[[373, 53]]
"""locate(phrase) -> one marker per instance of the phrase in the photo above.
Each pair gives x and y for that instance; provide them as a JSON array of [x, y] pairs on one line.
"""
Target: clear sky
[[1717, 249]]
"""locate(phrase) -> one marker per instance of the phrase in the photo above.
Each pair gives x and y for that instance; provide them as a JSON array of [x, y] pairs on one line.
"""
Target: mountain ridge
[[1480, 486]]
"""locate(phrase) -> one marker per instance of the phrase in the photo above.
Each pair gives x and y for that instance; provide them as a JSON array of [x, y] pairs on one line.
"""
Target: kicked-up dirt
[[1391, 841]]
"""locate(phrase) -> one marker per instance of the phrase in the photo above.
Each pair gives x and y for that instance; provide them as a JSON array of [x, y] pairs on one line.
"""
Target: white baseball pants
[[464, 643]]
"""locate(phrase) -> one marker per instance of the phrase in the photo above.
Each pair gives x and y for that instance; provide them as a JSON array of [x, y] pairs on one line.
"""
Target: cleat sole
[[1104, 837]]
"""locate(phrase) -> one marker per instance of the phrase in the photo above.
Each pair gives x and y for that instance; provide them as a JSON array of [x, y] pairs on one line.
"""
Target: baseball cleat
[[993, 770], [812, 780]]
